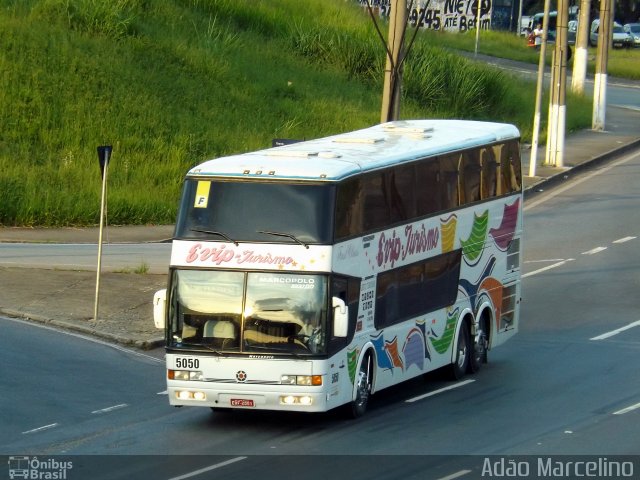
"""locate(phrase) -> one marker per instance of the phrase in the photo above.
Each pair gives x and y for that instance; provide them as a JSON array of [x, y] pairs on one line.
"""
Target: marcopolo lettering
[[296, 280]]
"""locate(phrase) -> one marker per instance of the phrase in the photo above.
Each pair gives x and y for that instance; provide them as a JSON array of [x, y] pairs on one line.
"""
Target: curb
[[561, 177]]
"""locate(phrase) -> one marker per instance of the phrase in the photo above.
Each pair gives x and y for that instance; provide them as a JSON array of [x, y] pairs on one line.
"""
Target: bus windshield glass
[[255, 312], [251, 211]]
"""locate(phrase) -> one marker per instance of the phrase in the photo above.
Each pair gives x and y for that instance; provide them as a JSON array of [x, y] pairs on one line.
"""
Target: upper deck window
[[246, 211]]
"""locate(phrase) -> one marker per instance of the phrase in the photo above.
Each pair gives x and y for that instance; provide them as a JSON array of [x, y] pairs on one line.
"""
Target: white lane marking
[[616, 331], [627, 410], [548, 267], [624, 239], [110, 409], [545, 260], [577, 182], [593, 251], [459, 474], [39, 429], [166, 392], [436, 392], [207, 469]]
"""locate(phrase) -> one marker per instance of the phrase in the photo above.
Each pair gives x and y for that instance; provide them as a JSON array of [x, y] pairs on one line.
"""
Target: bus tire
[[364, 381], [480, 346], [461, 361]]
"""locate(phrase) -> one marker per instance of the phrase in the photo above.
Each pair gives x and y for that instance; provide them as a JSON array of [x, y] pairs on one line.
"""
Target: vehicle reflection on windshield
[[283, 312]]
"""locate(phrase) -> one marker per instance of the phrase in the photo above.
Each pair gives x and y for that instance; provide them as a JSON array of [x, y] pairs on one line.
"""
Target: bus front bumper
[[199, 394]]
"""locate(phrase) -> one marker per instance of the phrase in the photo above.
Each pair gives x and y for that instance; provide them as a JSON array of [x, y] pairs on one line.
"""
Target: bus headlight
[[184, 375], [188, 395], [307, 380], [296, 400]]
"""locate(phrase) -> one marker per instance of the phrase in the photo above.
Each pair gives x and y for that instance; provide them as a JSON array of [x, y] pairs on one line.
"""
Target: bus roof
[[340, 156]]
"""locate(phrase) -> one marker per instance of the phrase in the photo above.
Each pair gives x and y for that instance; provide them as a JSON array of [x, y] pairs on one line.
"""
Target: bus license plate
[[242, 402]]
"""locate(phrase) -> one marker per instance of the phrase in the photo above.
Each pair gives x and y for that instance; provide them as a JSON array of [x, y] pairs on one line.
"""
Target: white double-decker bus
[[309, 276]]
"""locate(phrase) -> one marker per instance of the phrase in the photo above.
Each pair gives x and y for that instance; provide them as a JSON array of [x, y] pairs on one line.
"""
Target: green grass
[[171, 83]]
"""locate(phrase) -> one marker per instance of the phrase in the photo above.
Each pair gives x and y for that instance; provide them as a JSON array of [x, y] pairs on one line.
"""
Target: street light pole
[[104, 154]]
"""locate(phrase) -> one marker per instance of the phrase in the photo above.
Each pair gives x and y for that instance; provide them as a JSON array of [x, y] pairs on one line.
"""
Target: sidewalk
[[65, 298]]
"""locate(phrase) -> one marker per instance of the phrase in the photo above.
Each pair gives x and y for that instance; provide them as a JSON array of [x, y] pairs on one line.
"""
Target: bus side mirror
[[340, 317], [159, 308]]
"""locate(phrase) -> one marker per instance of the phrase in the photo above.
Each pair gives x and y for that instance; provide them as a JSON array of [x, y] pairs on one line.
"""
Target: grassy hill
[[171, 83]]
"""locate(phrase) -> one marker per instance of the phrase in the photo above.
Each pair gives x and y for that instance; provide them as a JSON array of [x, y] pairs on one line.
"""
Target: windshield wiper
[[273, 350], [200, 345], [282, 234], [213, 232]]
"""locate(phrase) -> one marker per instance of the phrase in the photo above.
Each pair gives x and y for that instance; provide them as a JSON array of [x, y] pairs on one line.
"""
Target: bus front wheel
[[363, 387]]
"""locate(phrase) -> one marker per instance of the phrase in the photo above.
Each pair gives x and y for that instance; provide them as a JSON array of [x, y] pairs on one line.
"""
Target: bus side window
[[511, 176], [429, 189], [516, 167], [448, 182], [502, 186], [488, 173], [399, 190], [349, 209], [376, 209], [469, 168]]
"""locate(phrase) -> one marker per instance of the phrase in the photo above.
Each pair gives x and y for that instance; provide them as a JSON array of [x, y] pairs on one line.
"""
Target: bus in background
[[310, 276]]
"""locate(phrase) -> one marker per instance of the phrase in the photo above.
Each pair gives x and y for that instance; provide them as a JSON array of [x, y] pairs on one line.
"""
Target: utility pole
[[582, 53], [557, 107], [478, 13], [533, 160], [602, 58], [391, 94], [519, 27]]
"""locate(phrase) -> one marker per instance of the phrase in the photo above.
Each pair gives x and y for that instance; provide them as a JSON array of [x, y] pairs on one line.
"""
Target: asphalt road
[[620, 92], [567, 384], [152, 257]]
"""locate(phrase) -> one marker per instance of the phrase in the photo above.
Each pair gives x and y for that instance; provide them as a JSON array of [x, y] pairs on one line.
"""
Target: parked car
[[621, 39], [633, 29]]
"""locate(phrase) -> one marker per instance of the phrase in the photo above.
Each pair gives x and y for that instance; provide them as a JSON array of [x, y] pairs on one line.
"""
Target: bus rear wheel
[[363, 387], [461, 362], [479, 353]]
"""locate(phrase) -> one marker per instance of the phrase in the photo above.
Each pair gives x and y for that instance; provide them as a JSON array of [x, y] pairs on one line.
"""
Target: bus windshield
[[252, 211], [256, 312]]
